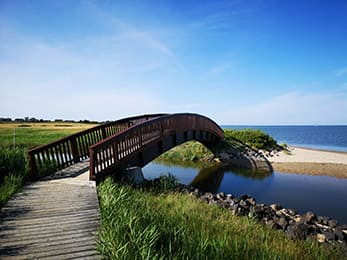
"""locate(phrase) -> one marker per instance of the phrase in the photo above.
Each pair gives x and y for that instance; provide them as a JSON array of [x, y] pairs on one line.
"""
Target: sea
[[322, 137]]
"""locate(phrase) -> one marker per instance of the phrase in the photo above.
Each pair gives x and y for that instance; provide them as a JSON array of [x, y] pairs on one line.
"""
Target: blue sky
[[238, 62]]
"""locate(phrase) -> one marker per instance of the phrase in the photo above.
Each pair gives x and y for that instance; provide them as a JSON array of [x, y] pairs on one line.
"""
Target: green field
[[29, 135]]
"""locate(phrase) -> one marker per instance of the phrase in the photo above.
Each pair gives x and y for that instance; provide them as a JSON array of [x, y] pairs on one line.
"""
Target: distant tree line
[[33, 120]]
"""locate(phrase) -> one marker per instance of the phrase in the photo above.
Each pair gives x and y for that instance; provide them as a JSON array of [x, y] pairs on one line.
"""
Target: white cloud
[[291, 108]]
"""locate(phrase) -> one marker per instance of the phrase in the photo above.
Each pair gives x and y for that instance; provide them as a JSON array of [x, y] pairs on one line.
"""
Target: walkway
[[56, 218]]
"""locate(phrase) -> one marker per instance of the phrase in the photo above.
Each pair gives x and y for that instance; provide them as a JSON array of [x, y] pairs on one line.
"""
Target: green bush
[[13, 172], [12, 162], [252, 137]]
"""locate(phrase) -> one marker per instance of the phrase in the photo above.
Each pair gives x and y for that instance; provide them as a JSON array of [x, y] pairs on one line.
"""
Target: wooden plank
[[52, 219]]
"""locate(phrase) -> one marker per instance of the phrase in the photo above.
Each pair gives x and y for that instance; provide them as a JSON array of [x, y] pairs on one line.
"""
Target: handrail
[[74, 148], [109, 153]]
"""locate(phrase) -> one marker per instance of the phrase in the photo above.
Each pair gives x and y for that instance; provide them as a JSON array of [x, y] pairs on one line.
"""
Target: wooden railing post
[[32, 167], [74, 150], [91, 165], [103, 133]]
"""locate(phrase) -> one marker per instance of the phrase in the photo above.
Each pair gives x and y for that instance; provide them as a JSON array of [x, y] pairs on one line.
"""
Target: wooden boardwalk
[[56, 218]]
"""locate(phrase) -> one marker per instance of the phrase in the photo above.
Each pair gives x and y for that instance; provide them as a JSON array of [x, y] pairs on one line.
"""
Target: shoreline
[[311, 162]]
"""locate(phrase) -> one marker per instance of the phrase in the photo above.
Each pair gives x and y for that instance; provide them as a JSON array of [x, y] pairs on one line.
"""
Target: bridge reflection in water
[[210, 178], [206, 177]]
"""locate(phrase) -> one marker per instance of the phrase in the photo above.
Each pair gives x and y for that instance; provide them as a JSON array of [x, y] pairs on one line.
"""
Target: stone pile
[[296, 226]]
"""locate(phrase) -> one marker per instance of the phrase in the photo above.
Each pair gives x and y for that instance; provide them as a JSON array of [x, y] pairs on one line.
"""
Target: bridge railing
[[108, 153], [74, 148]]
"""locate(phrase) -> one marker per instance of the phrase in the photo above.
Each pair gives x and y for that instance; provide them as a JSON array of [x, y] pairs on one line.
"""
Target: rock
[[323, 220], [244, 197], [243, 203], [275, 207], [220, 195], [229, 197], [329, 235], [292, 212], [339, 235], [251, 201], [281, 222], [308, 217], [332, 223], [270, 223], [299, 231], [320, 238]]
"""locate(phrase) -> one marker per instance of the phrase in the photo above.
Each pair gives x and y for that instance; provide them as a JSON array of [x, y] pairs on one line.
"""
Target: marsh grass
[[145, 225], [35, 134]]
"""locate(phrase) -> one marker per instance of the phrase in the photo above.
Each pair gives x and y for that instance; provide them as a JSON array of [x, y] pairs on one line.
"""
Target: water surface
[[321, 194]]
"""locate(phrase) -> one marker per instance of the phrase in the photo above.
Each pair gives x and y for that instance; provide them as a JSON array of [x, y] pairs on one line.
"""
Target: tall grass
[[13, 172], [146, 225]]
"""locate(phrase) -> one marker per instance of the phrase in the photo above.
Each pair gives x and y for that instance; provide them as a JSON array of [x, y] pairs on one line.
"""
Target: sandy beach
[[310, 161]]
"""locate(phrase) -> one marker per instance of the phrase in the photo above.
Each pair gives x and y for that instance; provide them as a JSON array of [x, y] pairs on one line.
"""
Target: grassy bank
[[192, 151], [148, 225], [196, 152], [13, 160]]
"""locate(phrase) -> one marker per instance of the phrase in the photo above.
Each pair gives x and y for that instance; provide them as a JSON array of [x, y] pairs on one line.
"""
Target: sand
[[310, 161]]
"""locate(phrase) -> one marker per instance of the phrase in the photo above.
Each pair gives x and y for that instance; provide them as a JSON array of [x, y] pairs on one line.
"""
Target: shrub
[[254, 138], [12, 162]]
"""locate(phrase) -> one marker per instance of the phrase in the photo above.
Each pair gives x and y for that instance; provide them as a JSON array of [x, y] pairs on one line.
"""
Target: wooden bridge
[[133, 141], [58, 216]]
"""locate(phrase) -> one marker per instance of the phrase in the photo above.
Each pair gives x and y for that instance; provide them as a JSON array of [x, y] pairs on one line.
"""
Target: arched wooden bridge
[[133, 141]]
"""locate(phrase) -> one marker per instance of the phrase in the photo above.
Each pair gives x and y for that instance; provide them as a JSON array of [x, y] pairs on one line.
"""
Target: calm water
[[323, 195], [332, 138]]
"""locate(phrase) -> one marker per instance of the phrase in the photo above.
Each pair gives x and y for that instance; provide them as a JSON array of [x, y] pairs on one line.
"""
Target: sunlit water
[[321, 194]]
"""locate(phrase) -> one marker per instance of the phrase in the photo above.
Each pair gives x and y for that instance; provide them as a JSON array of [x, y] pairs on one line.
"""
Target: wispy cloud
[[292, 108], [341, 72]]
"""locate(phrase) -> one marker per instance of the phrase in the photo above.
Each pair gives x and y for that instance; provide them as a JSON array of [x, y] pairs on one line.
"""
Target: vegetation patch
[[13, 172], [192, 151], [141, 224], [252, 137]]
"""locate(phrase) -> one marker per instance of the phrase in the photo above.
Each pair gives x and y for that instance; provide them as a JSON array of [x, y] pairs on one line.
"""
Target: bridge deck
[[56, 218]]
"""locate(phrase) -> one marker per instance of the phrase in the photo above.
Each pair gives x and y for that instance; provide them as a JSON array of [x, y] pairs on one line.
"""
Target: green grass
[[13, 172], [146, 225], [35, 134], [11, 185], [252, 137], [13, 161], [192, 151]]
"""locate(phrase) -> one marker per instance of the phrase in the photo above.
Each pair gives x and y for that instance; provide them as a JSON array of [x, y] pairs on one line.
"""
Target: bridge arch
[[142, 143]]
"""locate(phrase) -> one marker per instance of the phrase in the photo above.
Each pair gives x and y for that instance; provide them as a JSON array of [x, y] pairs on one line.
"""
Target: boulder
[[298, 231], [329, 235], [320, 238], [282, 223], [332, 223], [308, 217]]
